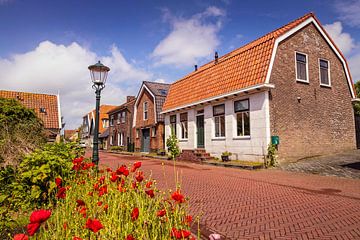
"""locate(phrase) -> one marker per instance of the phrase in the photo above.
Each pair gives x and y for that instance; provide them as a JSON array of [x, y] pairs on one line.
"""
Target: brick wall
[[323, 121], [157, 141]]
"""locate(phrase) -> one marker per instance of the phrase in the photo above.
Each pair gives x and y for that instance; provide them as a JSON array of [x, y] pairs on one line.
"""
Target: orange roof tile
[[36, 101], [244, 67], [103, 114]]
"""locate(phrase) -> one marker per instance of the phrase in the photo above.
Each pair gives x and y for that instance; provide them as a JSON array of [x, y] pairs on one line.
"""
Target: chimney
[[195, 67], [130, 98], [216, 57]]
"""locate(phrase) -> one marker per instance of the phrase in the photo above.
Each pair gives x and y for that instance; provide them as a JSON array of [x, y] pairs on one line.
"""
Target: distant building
[[46, 107], [120, 124], [87, 129], [148, 123], [71, 135]]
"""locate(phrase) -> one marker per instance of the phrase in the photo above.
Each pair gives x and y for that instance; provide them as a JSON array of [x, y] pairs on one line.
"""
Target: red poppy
[[123, 170], [94, 225], [103, 190], [65, 225], [90, 194], [139, 176], [188, 219], [78, 160], [32, 228], [61, 193], [148, 184], [82, 211], [161, 213], [106, 206], [99, 203], [130, 237], [178, 197], [179, 234], [40, 216], [21, 237], [136, 166], [108, 169], [114, 177], [96, 186], [80, 202], [58, 182], [77, 238], [87, 166], [135, 214], [121, 189], [134, 185], [150, 193], [102, 179]]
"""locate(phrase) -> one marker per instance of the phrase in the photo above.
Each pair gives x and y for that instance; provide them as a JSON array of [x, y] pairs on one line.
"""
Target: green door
[[200, 131]]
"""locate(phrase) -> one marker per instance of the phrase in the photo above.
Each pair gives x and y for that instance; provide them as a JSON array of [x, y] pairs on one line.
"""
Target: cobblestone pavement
[[264, 204], [341, 165]]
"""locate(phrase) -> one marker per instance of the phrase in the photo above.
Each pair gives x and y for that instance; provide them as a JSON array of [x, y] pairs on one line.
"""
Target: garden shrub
[[117, 148], [31, 183], [21, 131], [119, 204], [272, 156], [172, 145]]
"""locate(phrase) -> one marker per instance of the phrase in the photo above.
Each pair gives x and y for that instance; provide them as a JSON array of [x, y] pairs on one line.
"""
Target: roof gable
[[46, 106], [246, 67]]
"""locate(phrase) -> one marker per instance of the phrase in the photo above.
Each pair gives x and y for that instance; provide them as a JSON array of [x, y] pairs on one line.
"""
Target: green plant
[[272, 156], [226, 154], [117, 148], [21, 131], [172, 145]]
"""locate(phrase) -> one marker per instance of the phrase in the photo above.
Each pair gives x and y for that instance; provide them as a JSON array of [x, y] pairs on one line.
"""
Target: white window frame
[[176, 123], [307, 68], [181, 126], [153, 131], [235, 136], [118, 118], [322, 84], [145, 110], [214, 122]]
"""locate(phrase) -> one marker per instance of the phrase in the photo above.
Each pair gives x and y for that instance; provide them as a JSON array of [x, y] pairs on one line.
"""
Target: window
[[173, 124], [241, 109], [112, 139], [324, 72], [219, 119], [162, 91], [301, 67], [112, 120], [120, 139], [153, 131], [145, 110], [105, 123], [184, 125], [118, 118], [122, 117], [137, 133]]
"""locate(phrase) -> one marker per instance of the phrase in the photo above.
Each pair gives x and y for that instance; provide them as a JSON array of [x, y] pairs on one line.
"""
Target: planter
[[225, 158]]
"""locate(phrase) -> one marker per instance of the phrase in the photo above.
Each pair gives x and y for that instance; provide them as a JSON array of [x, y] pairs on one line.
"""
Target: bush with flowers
[[110, 204]]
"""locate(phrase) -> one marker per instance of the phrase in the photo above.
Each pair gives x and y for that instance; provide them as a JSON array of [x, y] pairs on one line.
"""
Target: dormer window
[[145, 109], [302, 74], [42, 110]]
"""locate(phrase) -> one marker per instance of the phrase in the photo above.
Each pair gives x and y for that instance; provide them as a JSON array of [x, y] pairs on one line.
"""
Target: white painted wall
[[242, 148]]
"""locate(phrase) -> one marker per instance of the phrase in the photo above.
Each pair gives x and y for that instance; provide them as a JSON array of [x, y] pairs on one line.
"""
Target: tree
[[357, 105], [172, 145], [21, 131]]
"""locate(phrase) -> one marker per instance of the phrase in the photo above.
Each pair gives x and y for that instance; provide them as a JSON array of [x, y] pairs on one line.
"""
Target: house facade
[[148, 123], [46, 107], [291, 87], [120, 125], [88, 126]]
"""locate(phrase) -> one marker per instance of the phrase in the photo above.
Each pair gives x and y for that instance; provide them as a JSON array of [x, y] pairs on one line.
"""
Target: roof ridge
[[13, 91], [244, 48]]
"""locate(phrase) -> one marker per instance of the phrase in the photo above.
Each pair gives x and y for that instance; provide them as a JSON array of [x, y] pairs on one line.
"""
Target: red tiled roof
[[244, 67], [36, 101], [103, 114]]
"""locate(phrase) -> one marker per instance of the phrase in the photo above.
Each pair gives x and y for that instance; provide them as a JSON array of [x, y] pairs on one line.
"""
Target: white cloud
[[190, 40], [343, 40], [50, 68], [349, 11], [354, 63]]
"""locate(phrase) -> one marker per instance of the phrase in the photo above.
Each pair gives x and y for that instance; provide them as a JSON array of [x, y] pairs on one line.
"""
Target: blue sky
[[46, 46]]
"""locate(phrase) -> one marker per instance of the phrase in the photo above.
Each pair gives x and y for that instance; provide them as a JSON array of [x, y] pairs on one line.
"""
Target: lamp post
[[98, 73]]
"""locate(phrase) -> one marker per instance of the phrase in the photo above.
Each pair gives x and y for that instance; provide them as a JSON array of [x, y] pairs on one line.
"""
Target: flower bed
[[119, 204]]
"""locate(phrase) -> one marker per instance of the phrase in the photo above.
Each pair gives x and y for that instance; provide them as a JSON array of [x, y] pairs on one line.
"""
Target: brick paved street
[[265, 204], [345, 164]]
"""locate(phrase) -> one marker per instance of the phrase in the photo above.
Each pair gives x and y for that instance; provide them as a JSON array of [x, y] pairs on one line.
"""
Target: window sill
[[325, 86], [183, 140], [218, 139], [302, 81], [242, 138]]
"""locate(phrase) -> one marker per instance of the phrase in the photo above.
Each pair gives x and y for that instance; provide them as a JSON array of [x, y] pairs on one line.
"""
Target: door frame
[[196, 124]]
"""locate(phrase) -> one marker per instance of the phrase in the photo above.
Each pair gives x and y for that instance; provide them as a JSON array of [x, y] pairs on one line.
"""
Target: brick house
[[292, 84], [46, 107], [120, 124], [87, 129], [148, 123]]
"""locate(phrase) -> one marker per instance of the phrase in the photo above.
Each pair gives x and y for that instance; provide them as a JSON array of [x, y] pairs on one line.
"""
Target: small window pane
[[222, 126], [173, 119], [301, 57], [324, 72], [217, 128], [323, 64], [241, 105], [301, 66], [246, 123], [183, 117], [218, 110]]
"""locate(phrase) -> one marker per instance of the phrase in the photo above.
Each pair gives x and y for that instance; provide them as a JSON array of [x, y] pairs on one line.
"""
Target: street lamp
[[98, 73]]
